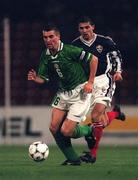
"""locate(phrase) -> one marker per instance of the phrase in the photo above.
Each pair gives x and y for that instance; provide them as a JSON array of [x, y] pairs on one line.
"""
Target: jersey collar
[[88, 43]]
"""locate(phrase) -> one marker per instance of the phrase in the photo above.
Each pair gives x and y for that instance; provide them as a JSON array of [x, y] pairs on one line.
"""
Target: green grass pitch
[[113, 163]]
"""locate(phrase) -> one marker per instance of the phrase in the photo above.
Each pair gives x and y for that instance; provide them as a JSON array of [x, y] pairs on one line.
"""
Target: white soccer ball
[[38, 151]]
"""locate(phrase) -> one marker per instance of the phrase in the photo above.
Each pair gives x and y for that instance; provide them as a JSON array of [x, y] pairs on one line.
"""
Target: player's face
[[86, 30], [51, 39]]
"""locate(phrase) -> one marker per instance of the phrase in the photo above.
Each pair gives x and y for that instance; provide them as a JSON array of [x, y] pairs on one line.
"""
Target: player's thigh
[[57, 118], [68, 127], [104, 88], [79, 108]]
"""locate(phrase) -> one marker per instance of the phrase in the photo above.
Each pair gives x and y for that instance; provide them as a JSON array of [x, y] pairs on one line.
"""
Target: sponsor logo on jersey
[[99, 48]]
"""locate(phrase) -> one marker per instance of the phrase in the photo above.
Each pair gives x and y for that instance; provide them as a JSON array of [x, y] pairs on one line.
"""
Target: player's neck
[[90, 38], [55, 49], [90, 42]]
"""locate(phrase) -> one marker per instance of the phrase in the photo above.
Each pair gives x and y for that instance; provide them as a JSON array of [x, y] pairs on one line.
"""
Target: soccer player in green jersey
[[75, 86]]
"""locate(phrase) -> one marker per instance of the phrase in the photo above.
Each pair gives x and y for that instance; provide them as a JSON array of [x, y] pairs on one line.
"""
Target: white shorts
[[75, 101], [103, 90]]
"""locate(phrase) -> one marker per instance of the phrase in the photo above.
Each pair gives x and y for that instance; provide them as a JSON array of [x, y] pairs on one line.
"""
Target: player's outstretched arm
[[32, 76], [93, 68]]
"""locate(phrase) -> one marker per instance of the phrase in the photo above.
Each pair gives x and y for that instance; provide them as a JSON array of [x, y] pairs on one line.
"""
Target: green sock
[[70, 153], [81, 130], [64, 143]]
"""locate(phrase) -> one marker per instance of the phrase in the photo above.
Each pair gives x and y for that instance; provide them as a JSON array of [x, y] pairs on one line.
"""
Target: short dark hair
[[51, 26], [85, 19]]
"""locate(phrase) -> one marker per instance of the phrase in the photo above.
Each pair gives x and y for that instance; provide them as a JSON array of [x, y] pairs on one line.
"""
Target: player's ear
[[43, 33], [58, 34], [93, 27]]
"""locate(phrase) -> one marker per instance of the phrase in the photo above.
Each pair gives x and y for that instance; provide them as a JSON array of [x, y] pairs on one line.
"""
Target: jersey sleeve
[[83, 57], [43, 68], [114, 56], [78, 54]]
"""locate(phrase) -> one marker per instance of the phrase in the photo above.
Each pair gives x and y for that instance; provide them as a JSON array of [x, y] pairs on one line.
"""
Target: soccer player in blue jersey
[[108, 72], [75, 87]]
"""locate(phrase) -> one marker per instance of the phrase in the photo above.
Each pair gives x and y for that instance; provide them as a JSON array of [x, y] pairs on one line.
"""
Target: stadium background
[[24, 106]]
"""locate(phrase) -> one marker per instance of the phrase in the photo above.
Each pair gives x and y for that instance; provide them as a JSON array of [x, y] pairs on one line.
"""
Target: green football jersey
[[66, 66]]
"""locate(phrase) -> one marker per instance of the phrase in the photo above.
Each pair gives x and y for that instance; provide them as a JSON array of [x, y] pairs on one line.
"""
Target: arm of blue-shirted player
[[93, 68], [116, 60], [118, 70]]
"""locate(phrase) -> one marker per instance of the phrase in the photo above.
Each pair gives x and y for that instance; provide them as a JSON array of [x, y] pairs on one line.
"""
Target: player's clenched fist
[[32, 75]]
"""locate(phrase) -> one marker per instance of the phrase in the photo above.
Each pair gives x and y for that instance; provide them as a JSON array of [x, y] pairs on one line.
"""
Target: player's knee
[[53, 129], [66, 132], [95, 117]]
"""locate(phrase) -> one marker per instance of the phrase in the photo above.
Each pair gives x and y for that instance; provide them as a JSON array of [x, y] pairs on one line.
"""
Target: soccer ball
[[38, 151]]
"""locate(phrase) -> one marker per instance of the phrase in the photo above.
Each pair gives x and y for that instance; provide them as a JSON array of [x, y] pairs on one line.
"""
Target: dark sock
[[82, 130], [64, 143]]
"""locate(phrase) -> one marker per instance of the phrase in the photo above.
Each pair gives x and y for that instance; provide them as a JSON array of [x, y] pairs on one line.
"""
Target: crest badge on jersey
[[99, 48]]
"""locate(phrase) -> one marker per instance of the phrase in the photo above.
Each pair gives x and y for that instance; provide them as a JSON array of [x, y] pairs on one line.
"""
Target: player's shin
[[64, 143]]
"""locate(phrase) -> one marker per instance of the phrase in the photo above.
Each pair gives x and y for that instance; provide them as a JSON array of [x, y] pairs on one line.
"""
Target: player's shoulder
[[43, 53], [105, 39], [71, 46], [44, 56], [76, 40]]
